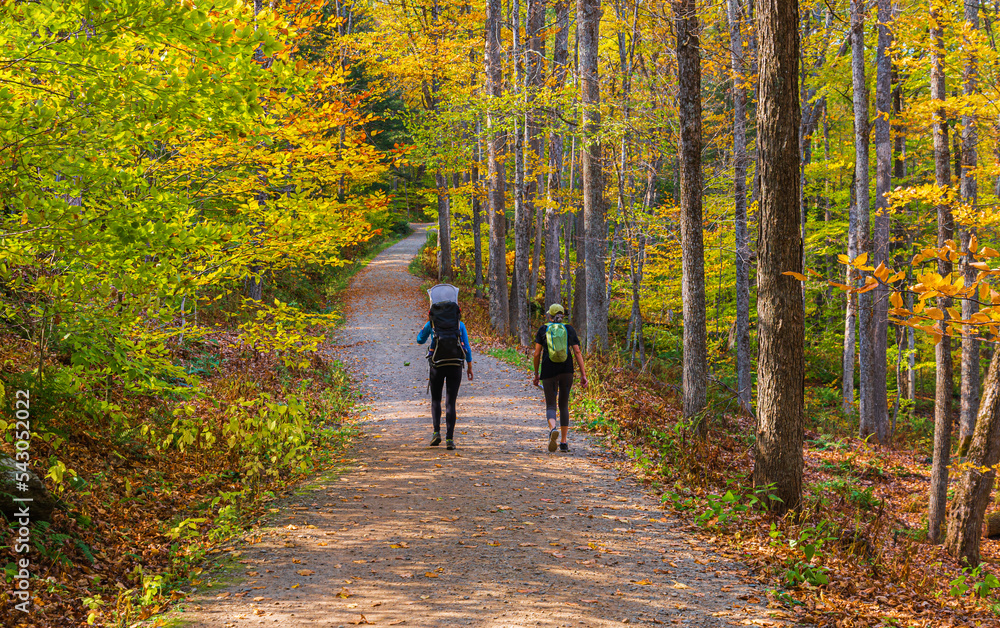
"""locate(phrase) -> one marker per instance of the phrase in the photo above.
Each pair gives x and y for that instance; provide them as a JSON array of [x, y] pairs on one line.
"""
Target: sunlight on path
[[497, 533]]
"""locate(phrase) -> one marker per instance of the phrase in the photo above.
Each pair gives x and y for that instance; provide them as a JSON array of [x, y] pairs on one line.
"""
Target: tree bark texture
[[444, 227], [781, 366], [875, 422], [865, 319], [942, 351], [560, 57], [970, 196], [972, 495], [595, 229], [534, 81], [496, 175], [695, 359], [743, 379], [522, 213], [477, 219]]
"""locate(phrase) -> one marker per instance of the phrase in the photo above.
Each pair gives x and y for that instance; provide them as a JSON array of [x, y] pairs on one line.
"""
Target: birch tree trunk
[[595, 230], [496, 176], [695, 359], [970, 196], [942, 351], [743, 380], [781, 368]]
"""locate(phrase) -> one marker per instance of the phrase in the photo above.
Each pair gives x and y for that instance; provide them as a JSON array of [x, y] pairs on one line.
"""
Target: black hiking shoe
[[553, 437], [436, 439], [564, 447], [450, 444]]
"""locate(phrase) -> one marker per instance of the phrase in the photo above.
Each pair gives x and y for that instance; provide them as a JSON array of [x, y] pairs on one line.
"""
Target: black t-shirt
[[550, 368]]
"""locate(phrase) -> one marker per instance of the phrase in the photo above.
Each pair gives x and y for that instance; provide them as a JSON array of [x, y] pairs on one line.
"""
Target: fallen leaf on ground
[[363, 620], [344, 593], [680, 585], [305, 572]]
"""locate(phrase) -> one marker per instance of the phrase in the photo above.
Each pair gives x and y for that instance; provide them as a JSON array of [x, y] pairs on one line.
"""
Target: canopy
[[443, 292]]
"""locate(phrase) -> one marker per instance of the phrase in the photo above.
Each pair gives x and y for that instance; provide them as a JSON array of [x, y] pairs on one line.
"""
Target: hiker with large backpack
[[556, 345], [449, 351]]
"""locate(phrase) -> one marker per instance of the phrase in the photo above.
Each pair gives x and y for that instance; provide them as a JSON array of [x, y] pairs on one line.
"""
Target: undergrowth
[[154, 487]]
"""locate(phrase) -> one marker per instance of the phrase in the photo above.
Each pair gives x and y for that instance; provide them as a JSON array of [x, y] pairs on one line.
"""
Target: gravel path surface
[[497, 533]]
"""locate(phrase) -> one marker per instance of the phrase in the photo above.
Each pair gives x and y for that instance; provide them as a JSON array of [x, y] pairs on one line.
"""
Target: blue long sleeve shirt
[[428, 332]]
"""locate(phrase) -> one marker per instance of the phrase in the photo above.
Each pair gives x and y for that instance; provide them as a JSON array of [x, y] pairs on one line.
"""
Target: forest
[[773, 225]]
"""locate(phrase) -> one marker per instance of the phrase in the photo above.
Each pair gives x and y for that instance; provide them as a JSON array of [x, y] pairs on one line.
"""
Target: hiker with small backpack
[[554, 342], [449, 351]]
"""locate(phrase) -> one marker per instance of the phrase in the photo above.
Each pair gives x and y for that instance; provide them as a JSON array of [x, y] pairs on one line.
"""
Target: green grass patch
[[511, 356]]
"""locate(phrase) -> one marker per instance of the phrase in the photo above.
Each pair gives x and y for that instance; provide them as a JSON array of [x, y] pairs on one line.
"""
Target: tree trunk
[[522, 213], [970, 196], [534, 81], [595, 230], [865, 320], [781, 369], [695, 358], [477, 232], [496, 172], [875, 422], [444, 227], [972, 495], [942, 352], [743, 380], [560, 56]]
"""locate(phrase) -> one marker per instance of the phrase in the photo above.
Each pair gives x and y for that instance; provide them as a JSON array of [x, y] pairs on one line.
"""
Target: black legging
[[559, 384], [453, 376]]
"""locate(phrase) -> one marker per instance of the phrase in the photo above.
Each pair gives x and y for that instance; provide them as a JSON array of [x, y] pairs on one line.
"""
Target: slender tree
[[477, 220], [875, 418], [534, 80], [496, 171], [695, 359], [942, 351], [780, 314], [970, 196], [595, 230], [522, 213], [861, 226], [560, 59], [743, 380]]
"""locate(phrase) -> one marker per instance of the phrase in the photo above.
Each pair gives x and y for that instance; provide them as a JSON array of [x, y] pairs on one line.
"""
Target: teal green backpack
[[557, 341]]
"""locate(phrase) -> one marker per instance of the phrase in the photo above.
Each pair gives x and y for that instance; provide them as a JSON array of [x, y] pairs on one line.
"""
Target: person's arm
[[537, 359], [424, 333], [579, 361], [468, 350]]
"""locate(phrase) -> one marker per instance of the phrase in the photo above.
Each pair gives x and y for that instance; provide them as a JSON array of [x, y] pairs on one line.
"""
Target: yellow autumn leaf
[[794, 274], [896, 300], [934, 313]]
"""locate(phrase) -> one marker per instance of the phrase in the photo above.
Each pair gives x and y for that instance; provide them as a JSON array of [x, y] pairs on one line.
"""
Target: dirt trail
[[497, 533]]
